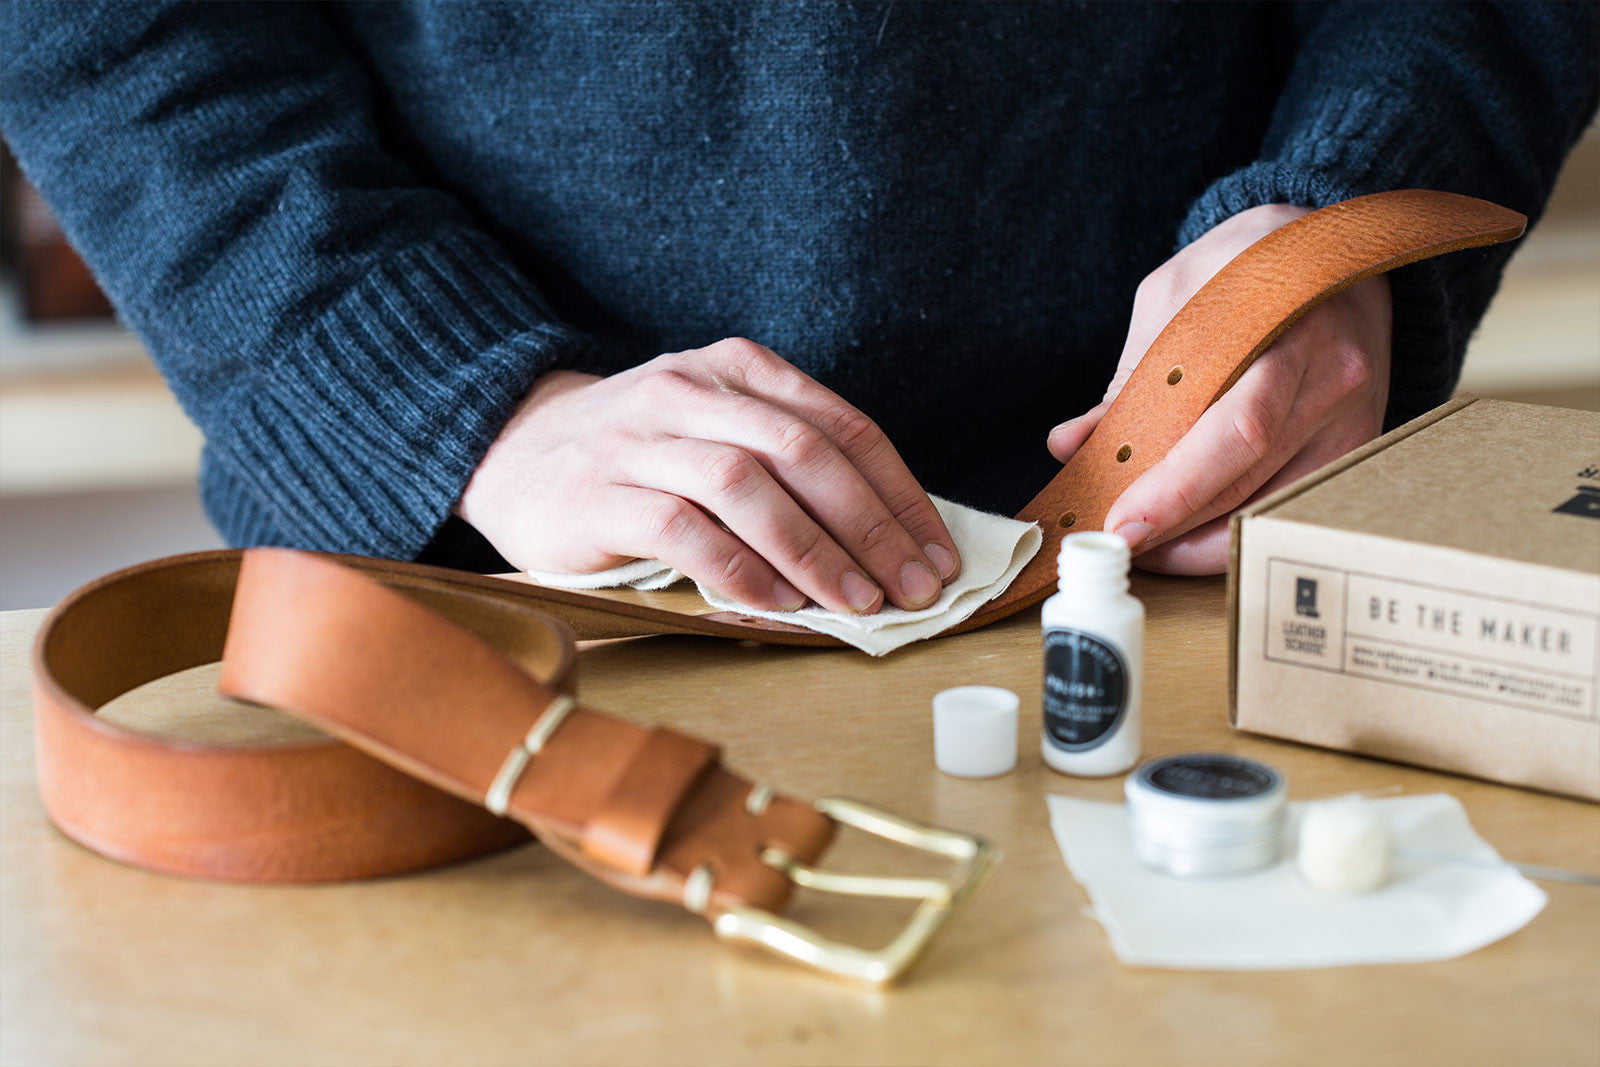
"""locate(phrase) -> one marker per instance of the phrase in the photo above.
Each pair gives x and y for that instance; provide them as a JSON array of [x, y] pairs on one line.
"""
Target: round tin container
[[1203, 814]]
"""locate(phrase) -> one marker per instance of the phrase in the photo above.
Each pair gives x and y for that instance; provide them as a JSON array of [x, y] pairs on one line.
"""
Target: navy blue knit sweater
[[352, 235]]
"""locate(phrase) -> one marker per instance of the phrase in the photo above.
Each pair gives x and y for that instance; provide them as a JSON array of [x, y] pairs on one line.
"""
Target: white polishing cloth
[[642, 574], [993, 550], [1272, 920]]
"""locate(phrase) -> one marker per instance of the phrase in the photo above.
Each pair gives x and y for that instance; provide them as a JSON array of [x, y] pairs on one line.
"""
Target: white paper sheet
[[1270, 919]]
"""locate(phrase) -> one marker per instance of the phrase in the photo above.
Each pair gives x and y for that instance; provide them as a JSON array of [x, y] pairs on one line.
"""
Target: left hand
[[1317, 393]]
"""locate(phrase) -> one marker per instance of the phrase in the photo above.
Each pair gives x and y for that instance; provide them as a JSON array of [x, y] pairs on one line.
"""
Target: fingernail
[[788, 597], [1135, 533], [919, 585], [859, 593], [942, 558]]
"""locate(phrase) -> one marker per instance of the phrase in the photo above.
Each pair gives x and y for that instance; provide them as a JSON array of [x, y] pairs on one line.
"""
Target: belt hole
[[1175, 375], [1124, 452], [1068, 518]]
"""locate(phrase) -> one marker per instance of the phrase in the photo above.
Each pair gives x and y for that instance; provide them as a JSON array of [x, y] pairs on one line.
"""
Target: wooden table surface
[[521, 959]]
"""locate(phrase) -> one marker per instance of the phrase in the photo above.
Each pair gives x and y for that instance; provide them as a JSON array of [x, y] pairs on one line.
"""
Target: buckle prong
[[940, 898], [855, 885]]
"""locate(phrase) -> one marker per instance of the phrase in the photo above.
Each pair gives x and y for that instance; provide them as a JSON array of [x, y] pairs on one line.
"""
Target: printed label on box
[[1494, 649]]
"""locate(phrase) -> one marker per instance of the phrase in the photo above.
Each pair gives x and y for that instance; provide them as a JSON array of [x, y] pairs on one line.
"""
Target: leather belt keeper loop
[[627, 829]]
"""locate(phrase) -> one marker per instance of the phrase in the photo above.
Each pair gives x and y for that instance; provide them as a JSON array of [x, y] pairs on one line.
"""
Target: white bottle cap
[[975, 731]]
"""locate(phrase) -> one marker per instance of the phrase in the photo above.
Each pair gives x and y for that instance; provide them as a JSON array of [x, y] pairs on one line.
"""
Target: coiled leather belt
[[452, 702]]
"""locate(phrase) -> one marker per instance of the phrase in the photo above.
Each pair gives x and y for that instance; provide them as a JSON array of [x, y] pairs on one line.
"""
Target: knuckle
[[1353, 370], [912, 508], [667, 385], [811, 550], [800, 444], [857, 433], [1236, 493], [735, 570], [669, 520], [1254, 428], [732, 472], [874, 531], [1189, 501], [664, 361], [743, 353]]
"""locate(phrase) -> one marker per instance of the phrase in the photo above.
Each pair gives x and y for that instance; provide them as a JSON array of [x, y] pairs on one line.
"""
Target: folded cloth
[[645, 574], [1449, 893], [993, 550]]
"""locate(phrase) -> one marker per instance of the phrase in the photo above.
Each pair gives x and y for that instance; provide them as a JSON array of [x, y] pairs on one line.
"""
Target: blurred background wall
[[98, 464]]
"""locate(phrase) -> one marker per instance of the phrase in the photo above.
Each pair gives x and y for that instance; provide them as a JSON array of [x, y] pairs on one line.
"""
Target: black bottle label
[[1085, 689]]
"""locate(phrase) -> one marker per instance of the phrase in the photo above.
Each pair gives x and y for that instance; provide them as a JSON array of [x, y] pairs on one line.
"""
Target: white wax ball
[[1344, 846]]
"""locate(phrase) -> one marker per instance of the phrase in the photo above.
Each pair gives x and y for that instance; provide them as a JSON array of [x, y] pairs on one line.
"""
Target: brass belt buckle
[[941, 897]]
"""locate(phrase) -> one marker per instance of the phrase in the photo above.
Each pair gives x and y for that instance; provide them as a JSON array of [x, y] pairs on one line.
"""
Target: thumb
[[1154, 304], [1161, 294], [1067, 437]]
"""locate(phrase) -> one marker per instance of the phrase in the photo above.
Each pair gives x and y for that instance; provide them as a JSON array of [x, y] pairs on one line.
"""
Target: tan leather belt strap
[[444, 702], [1214, 338], [1249, 304], [281, 813]]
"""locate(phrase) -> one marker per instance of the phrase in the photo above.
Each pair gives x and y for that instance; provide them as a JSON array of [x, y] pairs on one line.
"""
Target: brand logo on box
[[1586, 503], [1305, 597], [1302, 601]]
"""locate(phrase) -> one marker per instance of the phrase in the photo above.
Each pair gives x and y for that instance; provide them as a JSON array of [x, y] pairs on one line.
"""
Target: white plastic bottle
[[1093, 660]]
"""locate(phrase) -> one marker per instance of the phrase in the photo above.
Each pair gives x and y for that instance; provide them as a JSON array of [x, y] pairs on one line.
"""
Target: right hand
[[725, 462]]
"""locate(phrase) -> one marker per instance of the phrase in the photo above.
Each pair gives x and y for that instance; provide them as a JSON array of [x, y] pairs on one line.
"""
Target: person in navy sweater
[[735, 284]]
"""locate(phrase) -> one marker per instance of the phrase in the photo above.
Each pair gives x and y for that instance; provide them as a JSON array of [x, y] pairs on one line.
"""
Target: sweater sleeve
[[1481, 99], [345, 336]]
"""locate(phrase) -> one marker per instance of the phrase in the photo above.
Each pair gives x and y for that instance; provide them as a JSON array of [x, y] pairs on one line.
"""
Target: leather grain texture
[[429, 679], [1217, 335]]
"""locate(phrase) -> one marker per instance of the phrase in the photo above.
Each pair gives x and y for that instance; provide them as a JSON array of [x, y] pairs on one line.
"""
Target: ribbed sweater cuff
[[362, 437], [1339, 162]]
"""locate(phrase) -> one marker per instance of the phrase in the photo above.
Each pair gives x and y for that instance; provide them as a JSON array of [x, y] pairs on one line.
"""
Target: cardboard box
[[1433, 598]]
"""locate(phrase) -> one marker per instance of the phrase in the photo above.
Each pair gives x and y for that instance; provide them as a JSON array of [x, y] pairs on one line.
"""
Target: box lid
[[1514, 481]]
